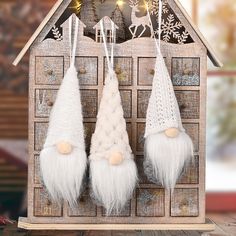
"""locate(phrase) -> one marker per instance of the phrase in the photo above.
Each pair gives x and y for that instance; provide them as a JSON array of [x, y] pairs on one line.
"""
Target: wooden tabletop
[[225, 225]]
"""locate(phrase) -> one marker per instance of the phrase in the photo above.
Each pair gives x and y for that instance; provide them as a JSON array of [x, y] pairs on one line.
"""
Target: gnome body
[[112, 168], [63, 158], [113, 171], [167, 146]]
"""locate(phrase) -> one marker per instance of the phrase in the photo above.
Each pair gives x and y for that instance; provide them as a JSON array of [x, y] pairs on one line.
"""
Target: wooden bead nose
[[64, 148], [116, 158], [172, 132]]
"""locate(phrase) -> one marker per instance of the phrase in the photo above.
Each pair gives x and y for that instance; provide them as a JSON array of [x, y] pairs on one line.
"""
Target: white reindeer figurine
[[138, 21]]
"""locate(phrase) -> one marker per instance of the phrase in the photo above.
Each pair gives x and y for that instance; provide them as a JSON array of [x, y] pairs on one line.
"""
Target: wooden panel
[[143, 99], [40, 132], [89, 100], [190, 173], [123, 68], [44, 100], [193, 131], [129, 131], [89, 128], [184, 202], [186, 71], [37, 176], [150, 202], [85, 206], [126, 211], [126, 99], [87, 68], [189, 104], [43, 206], [146, 70], [140, 137], [49, 70]]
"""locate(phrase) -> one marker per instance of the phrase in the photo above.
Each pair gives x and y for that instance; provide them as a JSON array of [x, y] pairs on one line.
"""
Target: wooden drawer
[[87, 68], [49, 70], [185, 71], [192, 129], [126, 211], [190, 173], [126, 99], [89, 128], [40, 133], [150, 202], [43, 206], [37, 175], [189, 103], [184, 202], [123, 67], [146, 70], [89, 100], [85, 207], [44, 101]]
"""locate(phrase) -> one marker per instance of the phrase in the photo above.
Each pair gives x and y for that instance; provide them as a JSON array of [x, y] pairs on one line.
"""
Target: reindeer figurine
[[138, 21]]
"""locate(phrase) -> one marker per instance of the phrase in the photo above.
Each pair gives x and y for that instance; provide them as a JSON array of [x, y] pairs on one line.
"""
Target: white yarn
[[63, 174]]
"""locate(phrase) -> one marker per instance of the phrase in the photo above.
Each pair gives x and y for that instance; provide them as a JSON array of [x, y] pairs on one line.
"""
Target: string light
[[76, 5], [119, 3]]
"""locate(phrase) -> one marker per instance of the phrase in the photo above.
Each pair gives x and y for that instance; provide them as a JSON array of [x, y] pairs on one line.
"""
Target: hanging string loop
[[74, 42]]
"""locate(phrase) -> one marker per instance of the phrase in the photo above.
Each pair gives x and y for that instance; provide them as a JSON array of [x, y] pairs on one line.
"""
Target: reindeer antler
[[133, 3]]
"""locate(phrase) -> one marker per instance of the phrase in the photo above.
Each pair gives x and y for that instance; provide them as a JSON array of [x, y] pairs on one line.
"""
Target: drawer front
[[150, 202], [126, 99], [49, 70], [189, 104], [184, 202], [43, 206], [186, 71], [126, 211], [87, 68], [37, 176], [40, 133], [44, 101], [190, 173], [85, 207], [123, 69], [192, 129], [89, 100]]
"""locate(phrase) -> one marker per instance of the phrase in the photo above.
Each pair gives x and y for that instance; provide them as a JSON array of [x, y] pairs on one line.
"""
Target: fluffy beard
[[165, 157], [112, 186], [63, 174]]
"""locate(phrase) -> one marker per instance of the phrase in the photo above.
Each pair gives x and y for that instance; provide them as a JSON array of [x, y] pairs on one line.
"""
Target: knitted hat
[[163, 110]]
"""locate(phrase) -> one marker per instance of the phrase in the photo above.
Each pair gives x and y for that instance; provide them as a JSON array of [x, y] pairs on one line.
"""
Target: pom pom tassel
[[165, 157]]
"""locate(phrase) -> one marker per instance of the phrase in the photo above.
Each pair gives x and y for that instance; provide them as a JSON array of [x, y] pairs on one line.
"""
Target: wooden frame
[[186, 206]]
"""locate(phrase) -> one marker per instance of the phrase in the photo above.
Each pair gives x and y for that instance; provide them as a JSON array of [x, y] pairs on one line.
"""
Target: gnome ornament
[[167, 146], [63, 158], [113, 172]]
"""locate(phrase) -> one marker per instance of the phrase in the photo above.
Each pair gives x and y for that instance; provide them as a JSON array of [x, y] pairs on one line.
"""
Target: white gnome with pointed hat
[[63, 158], [113, 171], [167, 146]]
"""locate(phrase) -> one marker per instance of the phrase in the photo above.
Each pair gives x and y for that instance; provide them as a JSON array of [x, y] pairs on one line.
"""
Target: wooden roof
[[211, 54]]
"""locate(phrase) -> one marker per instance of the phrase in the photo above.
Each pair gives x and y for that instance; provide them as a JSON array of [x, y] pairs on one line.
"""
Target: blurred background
[[217, 21]]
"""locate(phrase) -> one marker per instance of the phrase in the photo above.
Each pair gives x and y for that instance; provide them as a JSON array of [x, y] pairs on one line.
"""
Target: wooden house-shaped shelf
[[185, 51]]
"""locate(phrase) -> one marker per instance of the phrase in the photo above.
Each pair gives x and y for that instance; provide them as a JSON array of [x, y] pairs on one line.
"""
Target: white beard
[[63, 174], [165, 157], [113, 186]]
